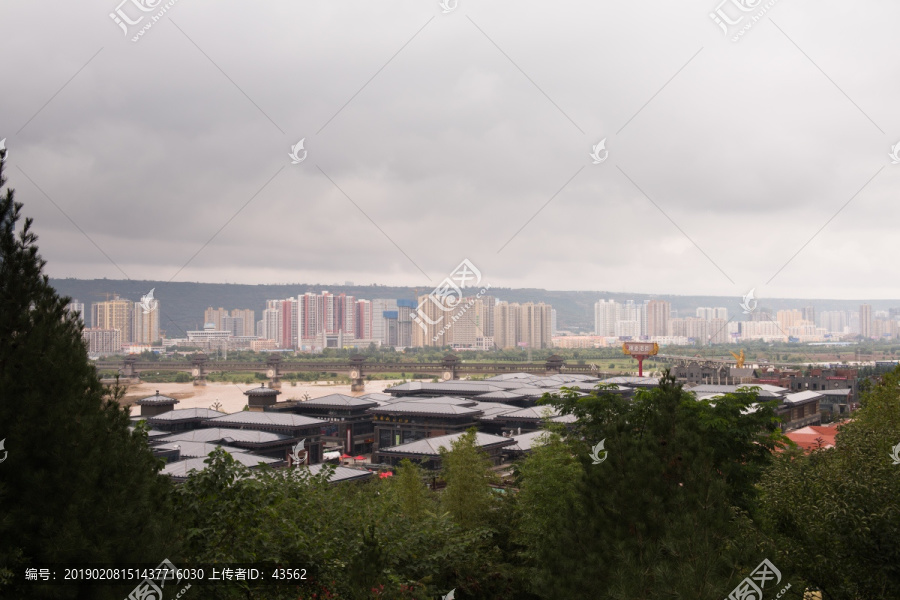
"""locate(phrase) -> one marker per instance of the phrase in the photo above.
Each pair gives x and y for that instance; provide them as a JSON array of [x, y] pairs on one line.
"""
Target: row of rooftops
[[483, 400], [441, 406]]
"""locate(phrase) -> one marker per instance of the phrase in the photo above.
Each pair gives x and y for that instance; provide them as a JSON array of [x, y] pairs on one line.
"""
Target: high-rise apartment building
[[102, 341], [379, 323], [248, 318], [76, 307], [405, 324], [718, 331], [487, 329], [696, 329], [606, 313], [789, 318], [710, 313], [289, 323], [427, 330], [506, 318], [215, 316], [145, 323], [865, 320], [234, 325], [339, 314], [309, 317], [534, 325], [271, 319], [658, 317], [527, 324], [834, 321], [365, 320], [240, 321], [114, 314], [809, 314]]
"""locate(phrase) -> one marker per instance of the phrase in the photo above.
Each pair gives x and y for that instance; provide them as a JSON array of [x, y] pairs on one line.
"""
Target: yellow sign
[[640, 348]]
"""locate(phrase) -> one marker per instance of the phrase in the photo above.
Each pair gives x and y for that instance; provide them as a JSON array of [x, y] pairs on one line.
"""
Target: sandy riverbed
[[231, 395]]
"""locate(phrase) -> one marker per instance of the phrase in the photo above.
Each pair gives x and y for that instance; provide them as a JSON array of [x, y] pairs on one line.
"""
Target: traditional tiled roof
[[443, 400], [527, 441], [341, 473], [532, 413], [195, 449], [431, 446], [508, 376], [185, 413], [530, 391], [766, 391], [494, 408], [227, 436], [424, 408], [156, 400], [262, 391], [181, 468], [564, 419], [633, 381], [842, 392], [446, 387], [504, 395], [802, 397], [278, 419], [340, 401]]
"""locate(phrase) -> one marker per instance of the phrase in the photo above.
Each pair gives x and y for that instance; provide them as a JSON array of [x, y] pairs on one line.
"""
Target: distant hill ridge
[[183, 303]]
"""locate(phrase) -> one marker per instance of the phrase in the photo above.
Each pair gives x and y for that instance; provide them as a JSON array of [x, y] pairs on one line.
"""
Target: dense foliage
[[76, 486]]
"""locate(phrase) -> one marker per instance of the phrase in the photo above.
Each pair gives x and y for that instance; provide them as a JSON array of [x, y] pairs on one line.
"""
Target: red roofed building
[[814, 436]]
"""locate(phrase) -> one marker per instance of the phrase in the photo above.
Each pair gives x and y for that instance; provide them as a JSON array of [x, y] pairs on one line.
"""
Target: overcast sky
[[434, 137]]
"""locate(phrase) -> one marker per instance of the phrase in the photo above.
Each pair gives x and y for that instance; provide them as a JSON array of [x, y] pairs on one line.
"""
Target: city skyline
[[312, 322]]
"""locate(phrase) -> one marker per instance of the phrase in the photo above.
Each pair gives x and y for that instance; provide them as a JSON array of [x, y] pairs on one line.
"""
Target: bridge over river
[[356, 368]]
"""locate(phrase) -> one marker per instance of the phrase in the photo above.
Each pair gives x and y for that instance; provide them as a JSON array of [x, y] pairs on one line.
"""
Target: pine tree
[[77, 486]]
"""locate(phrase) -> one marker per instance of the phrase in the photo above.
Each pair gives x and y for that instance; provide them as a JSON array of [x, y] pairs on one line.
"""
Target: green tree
[[410, 491], [468, 496], [77, 485], [833, 513], [548, 489], [663, 513]]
